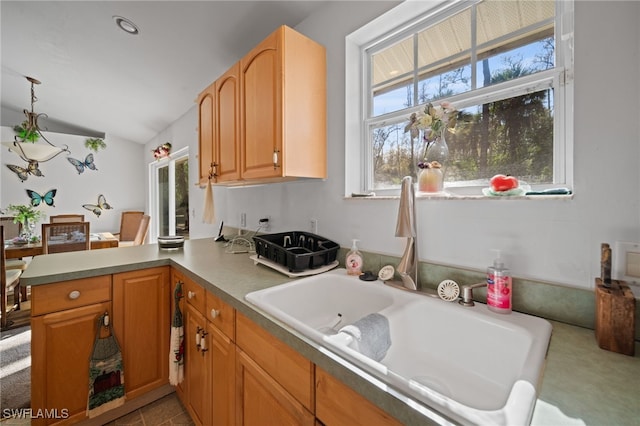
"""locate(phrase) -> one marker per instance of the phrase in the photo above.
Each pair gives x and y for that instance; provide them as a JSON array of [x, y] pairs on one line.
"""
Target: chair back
[[67, 236], [66, 218], [11, 229], [142, 230], [129, 225], [9, 280]]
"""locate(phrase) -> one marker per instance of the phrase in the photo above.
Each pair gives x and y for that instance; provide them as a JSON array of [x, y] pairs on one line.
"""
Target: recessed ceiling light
[[126, 25]]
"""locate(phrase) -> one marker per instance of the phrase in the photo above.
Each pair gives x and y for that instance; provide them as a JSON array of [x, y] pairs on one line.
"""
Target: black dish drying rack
[[296, 250]]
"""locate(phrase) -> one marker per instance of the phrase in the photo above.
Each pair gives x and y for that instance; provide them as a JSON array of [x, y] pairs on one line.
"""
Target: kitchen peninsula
[[575, 369]]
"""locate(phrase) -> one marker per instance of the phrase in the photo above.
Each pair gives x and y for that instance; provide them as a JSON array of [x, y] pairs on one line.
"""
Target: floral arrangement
[[95, 144], [26, 215], [432, 121], [162, 151]]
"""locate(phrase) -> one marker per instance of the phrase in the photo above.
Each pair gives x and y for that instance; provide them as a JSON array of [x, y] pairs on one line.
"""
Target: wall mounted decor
[[95, 144], [162, 151], [80, 165], [22, 173], [47, 198], [97, 208]]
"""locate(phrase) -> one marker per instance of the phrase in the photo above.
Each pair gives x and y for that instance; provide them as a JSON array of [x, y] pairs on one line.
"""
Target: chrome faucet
[[406, 228], [467, 293]]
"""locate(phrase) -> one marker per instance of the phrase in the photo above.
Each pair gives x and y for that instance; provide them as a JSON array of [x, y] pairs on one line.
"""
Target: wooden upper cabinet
[[226, 152], [283, 108], [206, 129]]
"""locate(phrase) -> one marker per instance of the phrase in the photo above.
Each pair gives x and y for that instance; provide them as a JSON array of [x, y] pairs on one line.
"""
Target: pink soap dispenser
[[499, 288]]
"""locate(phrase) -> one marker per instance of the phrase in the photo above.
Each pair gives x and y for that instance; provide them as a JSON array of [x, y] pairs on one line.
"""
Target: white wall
[[184, 133], [548, 240], [119, 177]]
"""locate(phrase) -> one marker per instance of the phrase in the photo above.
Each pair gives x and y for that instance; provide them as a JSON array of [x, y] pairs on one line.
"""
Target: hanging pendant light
[[26, 142]]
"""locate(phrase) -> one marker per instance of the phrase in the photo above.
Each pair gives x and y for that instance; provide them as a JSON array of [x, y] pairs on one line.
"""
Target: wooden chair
[[129, 224], [66, 218], [12, 230], [141, 233], [67, 236], [9, 281]]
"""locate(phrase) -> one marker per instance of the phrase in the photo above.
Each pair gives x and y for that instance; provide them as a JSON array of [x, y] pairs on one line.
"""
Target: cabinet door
[[222, 354], [336, 404], [227, 129], [60, 353], [141, 321], [261, 400], [261, 110], [206, 126], [196, 367]]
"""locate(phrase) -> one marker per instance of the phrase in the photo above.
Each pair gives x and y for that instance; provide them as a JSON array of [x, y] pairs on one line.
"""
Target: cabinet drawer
[[69, 294], [290, 369], [195, 295], [221, 315]]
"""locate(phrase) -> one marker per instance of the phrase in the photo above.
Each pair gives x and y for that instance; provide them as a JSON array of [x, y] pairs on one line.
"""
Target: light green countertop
[[582, 383]]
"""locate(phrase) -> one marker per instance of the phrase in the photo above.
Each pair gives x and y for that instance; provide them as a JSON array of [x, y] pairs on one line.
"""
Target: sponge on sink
[[371, 336]]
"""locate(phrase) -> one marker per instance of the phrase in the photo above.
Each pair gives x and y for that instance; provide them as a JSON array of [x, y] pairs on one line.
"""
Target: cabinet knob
[[215, 313], [74, 294], [191, 294]]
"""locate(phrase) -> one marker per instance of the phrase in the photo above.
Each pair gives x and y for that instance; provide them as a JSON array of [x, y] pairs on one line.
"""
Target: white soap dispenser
[[499, 288], [354, 260]]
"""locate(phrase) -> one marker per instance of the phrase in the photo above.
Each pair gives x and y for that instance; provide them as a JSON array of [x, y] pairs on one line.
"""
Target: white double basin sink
[[472, 365]]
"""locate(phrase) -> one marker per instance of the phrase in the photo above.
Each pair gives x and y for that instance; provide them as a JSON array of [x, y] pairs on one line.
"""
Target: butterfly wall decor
[[81, 165], [97, 208], [23, 174], [47, 198]]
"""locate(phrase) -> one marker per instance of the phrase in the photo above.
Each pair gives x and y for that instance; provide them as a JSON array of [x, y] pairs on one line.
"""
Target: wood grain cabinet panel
[[291, 370], [141, 322], [336, 404], [269, 114], [283, 108], [262, 400], [206, 131], [61, 346], [208, 390], [227, 129]]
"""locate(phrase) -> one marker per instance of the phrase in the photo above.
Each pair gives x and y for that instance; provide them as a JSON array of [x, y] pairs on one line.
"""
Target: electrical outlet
[[243, 220], [313, 226], [265, 223]]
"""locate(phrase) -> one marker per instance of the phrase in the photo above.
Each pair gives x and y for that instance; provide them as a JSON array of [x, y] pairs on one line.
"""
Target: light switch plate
[[626, 262]]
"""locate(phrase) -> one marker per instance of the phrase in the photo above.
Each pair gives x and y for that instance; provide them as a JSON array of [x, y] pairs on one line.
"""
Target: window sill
[[453, 196]]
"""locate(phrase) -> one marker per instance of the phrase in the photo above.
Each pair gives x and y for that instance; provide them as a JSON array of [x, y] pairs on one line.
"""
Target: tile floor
[[167, 411]]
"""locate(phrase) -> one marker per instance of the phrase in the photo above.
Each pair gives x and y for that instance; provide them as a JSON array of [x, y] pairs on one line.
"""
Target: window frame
[[385, 30]]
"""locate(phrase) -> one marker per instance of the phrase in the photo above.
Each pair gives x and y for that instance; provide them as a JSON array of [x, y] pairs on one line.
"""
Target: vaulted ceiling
[[96, 79]]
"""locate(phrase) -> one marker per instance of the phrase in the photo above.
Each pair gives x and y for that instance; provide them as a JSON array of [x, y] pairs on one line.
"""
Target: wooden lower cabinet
[[208, 391], [61, 347], [261, 400], [223, 360], [141, 321], [196, 369], [336, 404], [64, 319]]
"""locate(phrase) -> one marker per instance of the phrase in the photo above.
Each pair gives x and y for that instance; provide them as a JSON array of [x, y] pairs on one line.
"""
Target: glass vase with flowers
[[27, 216], [431, 125]]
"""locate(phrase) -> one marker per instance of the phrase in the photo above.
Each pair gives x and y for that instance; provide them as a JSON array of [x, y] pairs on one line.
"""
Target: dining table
[[100, 240]]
